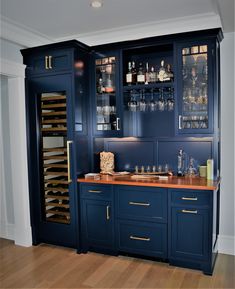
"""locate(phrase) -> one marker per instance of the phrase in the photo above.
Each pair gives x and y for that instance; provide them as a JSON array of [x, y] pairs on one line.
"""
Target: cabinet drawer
[[148, 239], [141, 203], [50, 61], [190, 197], [96, 192]]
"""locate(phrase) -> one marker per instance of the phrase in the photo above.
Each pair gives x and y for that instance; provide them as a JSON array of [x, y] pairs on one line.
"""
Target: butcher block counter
[[195, 183]]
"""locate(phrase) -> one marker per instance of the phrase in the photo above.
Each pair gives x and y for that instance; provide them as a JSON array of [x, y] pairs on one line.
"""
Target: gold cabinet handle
[[188, 199], [107, 213], [94, 191], [139, 204], [189, 211], [50, 59], [69, 161], [46, 62], [139, 238]]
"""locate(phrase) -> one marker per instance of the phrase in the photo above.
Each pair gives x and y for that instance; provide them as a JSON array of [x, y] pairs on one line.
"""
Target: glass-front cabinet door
[[106, 112], [194, 88]]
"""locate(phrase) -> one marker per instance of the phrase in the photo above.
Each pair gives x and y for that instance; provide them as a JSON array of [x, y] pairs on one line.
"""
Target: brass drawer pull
[[107, 213], [189, 211], [50, 58], [139, 204], [94, 191], [46, 62], [139, 238], [189, 199]]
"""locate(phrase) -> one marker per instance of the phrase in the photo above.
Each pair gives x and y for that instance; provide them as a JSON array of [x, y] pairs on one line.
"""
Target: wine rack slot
[[53, 127]]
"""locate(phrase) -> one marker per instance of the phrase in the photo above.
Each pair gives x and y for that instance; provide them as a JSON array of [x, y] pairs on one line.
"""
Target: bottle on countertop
[[129, 74], [181, 161], [140, 74]]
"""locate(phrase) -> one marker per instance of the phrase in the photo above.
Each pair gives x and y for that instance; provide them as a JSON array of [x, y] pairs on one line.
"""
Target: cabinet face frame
[[179, 46], [96, 55]]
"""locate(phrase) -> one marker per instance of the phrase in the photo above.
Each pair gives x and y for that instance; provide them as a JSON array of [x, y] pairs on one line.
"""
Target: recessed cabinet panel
[[189, 233]]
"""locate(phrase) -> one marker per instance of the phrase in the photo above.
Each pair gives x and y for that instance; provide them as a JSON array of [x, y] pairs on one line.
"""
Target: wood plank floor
[[48, 266]]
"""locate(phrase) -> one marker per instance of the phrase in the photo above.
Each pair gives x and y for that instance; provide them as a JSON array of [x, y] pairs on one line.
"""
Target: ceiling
[[57, 20]]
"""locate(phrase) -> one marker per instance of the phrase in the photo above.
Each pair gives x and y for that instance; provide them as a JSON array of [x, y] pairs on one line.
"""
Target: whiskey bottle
[[152, 75], [129, 74], [147, 79], [169, 73], [162, 72], [140, 75], [134, 73]]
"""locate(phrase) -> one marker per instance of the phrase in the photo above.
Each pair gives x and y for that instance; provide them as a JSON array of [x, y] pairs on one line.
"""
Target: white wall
[[11, 51], [6, 193], [227, 205]]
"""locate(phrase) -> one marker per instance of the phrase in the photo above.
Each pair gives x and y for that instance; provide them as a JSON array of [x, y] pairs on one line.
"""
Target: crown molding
[[149, 29], [21, 34], [27, 37]]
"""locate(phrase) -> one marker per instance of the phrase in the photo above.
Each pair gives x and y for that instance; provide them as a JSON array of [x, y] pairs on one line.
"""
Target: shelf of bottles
[[55, 164], [149, 88], [106, 112], [194, 88]]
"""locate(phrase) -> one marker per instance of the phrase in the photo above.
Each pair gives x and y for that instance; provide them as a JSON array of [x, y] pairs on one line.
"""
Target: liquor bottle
[[147, 79], [152, 75], [169, 72], [134, 73], [129, 74], [140, 75], [180, 166], [162, 72]]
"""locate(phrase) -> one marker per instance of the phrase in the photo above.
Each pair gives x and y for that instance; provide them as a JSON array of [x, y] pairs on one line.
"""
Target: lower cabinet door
[[149, 239], [97, 224], [189, 234]]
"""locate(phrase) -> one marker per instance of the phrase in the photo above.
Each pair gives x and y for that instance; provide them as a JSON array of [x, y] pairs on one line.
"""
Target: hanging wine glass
[[170, 100], [161, 103], [132, 104], [143, 103], [152, 103]]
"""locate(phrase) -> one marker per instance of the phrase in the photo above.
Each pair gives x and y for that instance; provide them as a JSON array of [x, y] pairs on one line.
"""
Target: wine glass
[[143, 103], [170, 100], [132, 104], [152, 103], [161, 103]]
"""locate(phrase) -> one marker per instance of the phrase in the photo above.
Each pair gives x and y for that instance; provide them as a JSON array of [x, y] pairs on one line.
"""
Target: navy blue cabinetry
[[105, 94], [97, 218], [141, 217], [191, 225]]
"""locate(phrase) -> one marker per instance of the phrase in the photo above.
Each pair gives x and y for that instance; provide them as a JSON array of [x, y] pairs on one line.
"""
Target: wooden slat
[[57, 212], [53, 121], [46, 150], [56, 189], [54, 204], [53, 97], [66, 198], [54, 129], [55, 165], [55, 157], [54, 105], [63, 221], [54, 113], [56, 182], [63, 174]]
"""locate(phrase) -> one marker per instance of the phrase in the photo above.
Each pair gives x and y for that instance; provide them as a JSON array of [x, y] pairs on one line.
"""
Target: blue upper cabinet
[[50, 61], [106, 98], [195, 94]]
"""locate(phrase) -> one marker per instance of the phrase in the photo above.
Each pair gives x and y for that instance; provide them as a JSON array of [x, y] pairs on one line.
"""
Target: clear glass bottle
[[181, 163], [134, 73], [147, 78], [162, 72], [152, 75]]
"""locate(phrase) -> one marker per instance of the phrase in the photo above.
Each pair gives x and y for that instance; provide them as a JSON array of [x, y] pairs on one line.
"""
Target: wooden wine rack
[[55, 159]]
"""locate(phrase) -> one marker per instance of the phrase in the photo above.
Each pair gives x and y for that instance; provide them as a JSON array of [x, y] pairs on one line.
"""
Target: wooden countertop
[[195, 183]]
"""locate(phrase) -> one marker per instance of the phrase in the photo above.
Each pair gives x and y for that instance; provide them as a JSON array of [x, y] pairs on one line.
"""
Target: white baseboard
[[7, 231], [227, 244]]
